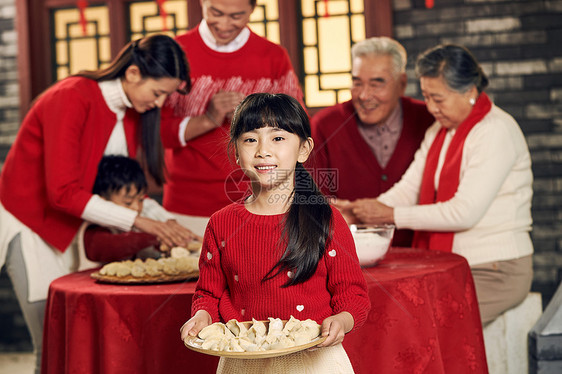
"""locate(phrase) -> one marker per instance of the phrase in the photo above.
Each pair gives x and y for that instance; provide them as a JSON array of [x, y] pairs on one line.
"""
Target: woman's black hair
[[156, 56], [307, 223], [116, 172], [458, 67]]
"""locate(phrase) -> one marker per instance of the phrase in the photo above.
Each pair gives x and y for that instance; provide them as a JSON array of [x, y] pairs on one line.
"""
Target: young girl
[[283, 250]]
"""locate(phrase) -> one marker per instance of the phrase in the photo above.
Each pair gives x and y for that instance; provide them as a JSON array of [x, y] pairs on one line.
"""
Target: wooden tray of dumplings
[[129, 279], [194, 343], [180, 266]]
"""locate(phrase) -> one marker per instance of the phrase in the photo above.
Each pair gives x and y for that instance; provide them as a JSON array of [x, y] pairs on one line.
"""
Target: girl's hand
[[201, 319], [335, 328], [169, 233]]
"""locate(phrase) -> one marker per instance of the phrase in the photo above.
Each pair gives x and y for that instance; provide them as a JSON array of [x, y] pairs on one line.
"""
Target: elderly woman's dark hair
[[458, 67]]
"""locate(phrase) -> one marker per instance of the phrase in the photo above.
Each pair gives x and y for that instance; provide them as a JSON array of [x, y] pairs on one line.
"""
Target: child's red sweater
[[240, 248]]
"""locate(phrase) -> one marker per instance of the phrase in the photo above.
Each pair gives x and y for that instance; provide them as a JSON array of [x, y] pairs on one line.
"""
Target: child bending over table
[[121, 180], [282, 250]]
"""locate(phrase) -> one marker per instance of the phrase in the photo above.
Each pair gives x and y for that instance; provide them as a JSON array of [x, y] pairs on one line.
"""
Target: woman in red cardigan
[[47, 178]]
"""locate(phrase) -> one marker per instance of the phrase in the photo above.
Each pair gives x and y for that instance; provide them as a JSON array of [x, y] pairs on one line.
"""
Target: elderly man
[[363, 146], [228, 62]]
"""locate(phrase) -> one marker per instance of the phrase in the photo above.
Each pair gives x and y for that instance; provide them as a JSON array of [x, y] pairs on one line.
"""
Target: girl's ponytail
[[306, 230]]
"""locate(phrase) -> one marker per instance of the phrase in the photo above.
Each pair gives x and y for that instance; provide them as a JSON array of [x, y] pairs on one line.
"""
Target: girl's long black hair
[[157, 56], [307, 223]]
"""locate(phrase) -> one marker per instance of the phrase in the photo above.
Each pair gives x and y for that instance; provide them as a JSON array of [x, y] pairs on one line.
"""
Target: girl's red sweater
[[240, 248]]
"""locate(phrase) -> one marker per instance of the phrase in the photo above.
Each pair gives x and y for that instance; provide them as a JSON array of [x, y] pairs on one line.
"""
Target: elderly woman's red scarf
[[449, 177]]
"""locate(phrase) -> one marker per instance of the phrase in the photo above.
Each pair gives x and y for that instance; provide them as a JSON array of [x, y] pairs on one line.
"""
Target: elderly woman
[[469, 187]]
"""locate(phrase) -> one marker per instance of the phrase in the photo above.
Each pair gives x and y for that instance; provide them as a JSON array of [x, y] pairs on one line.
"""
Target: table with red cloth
[[424, 319]]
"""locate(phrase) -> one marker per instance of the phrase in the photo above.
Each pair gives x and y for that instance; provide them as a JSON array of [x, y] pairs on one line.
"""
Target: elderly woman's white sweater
[[491, 210]]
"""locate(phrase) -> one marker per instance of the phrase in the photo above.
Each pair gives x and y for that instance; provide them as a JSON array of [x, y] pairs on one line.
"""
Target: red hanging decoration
[[429, 4], [163, 14], [326, 12], [82, 5]]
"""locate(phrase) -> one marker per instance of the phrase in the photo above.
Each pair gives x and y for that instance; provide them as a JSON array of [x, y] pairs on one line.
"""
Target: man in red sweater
[[228, 62], [363, 146]]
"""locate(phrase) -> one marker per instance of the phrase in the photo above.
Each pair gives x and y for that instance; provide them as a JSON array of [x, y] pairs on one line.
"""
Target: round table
[[424, 319], [99, 328]]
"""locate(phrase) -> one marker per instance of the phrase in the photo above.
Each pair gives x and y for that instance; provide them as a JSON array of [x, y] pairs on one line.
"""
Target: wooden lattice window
[[51, 44]]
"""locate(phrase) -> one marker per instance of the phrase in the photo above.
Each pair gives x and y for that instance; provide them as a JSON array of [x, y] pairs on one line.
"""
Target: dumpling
[[187, 264], [299, 336], [152, 268], [237, 328], [275, 331], [109, 269], [259, 328], [282, 342], [215, 329], [138, 271], [169, 266], [257, 333], [291, 324], [312, 328], [275, 324], [304, 332], [215, 343], [178, 252], [247, 345], [234, 345], [122, 269]]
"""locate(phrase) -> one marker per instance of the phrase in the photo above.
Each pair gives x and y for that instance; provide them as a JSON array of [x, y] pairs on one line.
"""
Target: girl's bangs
[[269, 116], [270, 110]]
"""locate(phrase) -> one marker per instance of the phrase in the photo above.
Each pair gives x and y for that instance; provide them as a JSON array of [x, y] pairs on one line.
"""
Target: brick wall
[[9, 88], [13, 332], [519, 44]]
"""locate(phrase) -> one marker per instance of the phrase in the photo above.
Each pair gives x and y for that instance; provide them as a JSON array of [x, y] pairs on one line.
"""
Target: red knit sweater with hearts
[[240, 248]]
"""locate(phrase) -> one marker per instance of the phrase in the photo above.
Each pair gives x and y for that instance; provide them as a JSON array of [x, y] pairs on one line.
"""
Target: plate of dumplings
[[181, 265], [256, 339]]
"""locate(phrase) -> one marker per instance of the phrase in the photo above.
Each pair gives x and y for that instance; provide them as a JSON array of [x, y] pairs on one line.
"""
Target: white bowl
[[371, 242]]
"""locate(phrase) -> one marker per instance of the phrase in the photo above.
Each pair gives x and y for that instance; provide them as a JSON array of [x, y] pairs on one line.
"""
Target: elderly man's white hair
[[384, 46]]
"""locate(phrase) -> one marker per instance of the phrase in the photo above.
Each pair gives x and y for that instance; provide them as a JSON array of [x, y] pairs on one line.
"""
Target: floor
[[17, 363]]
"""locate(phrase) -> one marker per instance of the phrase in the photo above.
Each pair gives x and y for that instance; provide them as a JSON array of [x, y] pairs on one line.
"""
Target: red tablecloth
[[424, 319]]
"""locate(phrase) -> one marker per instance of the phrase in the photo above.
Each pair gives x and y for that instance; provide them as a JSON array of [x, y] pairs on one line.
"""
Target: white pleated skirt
[[328, 360]]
